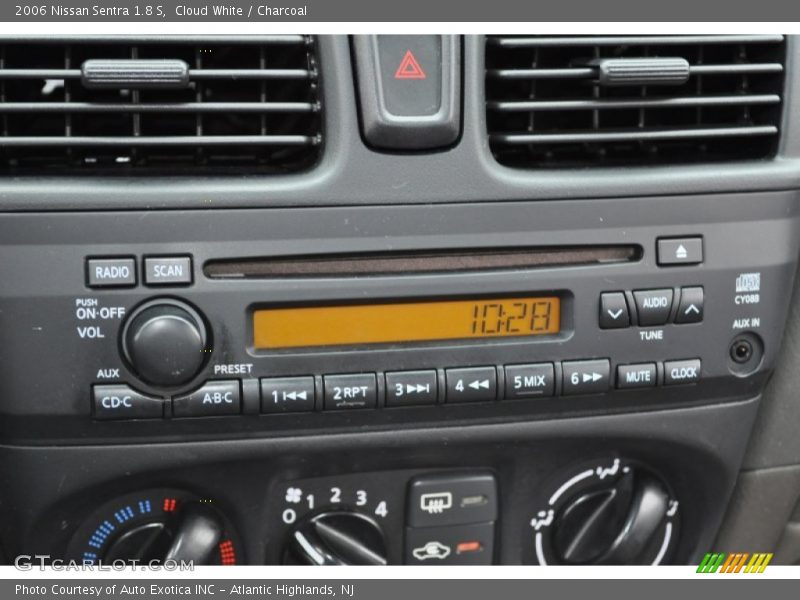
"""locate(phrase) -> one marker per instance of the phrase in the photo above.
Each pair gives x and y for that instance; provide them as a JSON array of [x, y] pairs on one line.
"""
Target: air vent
[[145, 105], [592, 101]]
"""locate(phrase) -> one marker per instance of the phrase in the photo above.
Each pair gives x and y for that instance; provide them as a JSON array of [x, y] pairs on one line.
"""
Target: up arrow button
[[690, 309]]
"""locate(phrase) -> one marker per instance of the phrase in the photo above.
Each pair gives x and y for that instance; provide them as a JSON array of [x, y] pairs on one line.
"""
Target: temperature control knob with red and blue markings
[[156, 527]]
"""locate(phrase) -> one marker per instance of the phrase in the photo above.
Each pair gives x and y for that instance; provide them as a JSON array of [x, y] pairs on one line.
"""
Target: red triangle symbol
[[409, 68]]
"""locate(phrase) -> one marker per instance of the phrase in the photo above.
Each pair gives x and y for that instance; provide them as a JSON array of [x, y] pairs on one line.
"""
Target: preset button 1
[[287, 394]]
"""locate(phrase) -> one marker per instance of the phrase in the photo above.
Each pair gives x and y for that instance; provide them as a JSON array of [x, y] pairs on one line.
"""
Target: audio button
[[653, 306]]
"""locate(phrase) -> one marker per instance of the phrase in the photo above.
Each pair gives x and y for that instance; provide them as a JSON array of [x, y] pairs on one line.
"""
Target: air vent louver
[[546, 106], [250, 103]]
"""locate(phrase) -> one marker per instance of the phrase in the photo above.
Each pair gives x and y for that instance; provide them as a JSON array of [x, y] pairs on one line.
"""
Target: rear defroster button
[[678, 372]]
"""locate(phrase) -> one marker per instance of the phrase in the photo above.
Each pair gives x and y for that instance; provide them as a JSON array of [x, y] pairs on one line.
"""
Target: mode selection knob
[[337, 538], [611, 513], [165, 342]]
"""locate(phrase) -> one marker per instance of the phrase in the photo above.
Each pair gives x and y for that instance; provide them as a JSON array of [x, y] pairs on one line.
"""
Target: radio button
[[475, 384], [408, 388], [122, 402], [585, 376], [530, 381], [653, 306], [678, 372], [168, 270], [215, 398], [690, 309], [287, 394], [636, 376], [614, 311], [110, 272], [344, 392]]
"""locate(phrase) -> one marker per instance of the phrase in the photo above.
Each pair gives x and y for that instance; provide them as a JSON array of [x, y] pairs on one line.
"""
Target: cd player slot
[[411, 263]]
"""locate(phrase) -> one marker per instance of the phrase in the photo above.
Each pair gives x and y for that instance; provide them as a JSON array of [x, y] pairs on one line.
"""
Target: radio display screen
[[312, 326]]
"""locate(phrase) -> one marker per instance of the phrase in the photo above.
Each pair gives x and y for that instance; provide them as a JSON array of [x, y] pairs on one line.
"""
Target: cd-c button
[[122, 402]]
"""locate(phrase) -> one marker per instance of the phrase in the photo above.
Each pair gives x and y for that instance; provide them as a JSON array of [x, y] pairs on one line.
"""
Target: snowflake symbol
[[294, 495]]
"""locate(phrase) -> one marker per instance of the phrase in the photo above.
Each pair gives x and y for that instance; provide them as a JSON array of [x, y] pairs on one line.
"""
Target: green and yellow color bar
[[735, 562]]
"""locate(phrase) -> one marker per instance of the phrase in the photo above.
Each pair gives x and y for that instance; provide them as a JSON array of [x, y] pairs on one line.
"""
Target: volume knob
[[165, 342]]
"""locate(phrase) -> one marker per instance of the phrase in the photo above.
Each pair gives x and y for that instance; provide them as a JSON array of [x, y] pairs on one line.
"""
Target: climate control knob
[[165, 342], [609, 512], [337, 538], [154, 527]]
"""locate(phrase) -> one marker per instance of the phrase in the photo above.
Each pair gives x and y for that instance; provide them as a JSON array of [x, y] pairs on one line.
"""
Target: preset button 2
[[350, 391]]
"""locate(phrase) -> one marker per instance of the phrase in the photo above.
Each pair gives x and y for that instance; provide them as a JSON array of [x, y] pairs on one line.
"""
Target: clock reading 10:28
[[312, 326]]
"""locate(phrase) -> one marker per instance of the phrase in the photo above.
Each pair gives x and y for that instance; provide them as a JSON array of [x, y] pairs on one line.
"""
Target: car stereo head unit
[[374, 329]]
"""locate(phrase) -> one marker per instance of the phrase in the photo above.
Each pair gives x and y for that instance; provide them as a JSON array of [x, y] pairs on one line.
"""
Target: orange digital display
[[310, 326]]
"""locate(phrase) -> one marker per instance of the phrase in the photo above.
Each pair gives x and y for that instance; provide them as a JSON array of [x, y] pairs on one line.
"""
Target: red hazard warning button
[[409, 68], [409, 87]]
